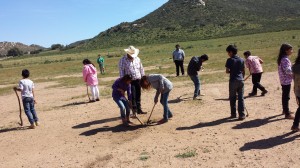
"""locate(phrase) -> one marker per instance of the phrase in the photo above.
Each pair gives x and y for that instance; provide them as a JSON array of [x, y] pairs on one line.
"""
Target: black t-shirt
[[194, 65], [236, 67]]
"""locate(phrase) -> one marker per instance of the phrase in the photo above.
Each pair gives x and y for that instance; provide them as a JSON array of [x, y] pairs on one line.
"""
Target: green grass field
[[46, 66]]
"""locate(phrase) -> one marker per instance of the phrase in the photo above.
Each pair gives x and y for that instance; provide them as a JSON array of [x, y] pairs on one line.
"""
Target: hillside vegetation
[[186, 20]]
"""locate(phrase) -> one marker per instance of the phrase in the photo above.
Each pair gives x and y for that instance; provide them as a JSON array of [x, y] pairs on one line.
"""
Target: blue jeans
[[164, 101], [28, 105], [124, 107], [236, 87], [196, 81]]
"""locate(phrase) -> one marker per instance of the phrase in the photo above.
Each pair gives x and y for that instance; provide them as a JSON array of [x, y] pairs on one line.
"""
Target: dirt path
[[74, 133]]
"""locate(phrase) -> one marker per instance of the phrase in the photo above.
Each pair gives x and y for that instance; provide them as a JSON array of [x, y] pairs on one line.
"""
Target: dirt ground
[[74, 133]]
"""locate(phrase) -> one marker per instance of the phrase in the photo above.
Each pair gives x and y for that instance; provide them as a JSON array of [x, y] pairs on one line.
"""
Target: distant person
[[253, 63], [194, 66], [120, 86], [236, 68], [100, 61], [285, 76], [26, 87], [89, 73], [178, 58], [130, 64], [163, 87], [296, 72]]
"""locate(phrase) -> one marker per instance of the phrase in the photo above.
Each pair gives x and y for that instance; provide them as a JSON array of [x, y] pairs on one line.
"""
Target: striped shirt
[[133, 68], [254, 65], [285, 71]]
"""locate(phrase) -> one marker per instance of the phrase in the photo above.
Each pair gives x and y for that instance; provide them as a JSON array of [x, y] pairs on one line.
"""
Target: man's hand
[[15, 88]]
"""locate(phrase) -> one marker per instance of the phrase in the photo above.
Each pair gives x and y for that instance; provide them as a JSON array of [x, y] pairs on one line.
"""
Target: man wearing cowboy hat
[[130, 64]]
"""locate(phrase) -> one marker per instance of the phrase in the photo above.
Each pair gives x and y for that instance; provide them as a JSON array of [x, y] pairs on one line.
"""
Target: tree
[[14, 52], [56, 46]]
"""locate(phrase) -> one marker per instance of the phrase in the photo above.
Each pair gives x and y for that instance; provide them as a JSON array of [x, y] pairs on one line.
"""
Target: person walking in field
[[100, 61], [130, 64], [178, 59], [120, 86], [194, 66], [253, 63], [163, 88], [26, 87], [236, 68], [89, 74], [286, 77], [296, 72]]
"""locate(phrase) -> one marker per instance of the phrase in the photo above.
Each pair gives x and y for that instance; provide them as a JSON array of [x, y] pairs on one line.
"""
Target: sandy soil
[[74, 133]]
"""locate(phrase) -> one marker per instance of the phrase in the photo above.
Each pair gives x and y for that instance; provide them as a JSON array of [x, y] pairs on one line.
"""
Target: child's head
[[145, 84], [204, 57], [285, 50], [127, 79], [86, 61], [177, 46], [25, 73], [231, 50], [247, 54]]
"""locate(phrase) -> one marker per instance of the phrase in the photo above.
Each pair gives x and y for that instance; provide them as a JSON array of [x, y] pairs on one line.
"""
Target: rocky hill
[[5, 46], [184, 20]]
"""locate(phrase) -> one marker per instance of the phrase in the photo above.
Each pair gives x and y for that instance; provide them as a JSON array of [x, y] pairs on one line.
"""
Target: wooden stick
[[87, 92], [150, 114], [20, 109], [247, 77]]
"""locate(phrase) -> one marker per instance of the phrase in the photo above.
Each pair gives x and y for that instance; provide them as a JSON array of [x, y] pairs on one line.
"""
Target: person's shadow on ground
[[13, 129], [257, 122], [88, 124], [181, 99], [115, 129], [208, 124], [270, 142]]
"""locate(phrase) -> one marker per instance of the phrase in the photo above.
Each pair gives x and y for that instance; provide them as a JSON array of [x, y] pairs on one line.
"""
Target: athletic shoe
[[32, 126], [98, 99], [295, 129], [290, 117], [242, 118], [37, 123], [162, 121], [264, 92], [252, 94], [141, 112]]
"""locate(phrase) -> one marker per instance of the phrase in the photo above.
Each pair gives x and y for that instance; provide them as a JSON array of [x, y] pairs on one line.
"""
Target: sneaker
[[194, 98], [290, 117], [32, 126], [295, 129], [91, 101], [124, 121], [37, 123], [97, 99], [141, 112], [264, 92], [252, 94], [242, 118], [201, 94], [232, 116], [162, 121]]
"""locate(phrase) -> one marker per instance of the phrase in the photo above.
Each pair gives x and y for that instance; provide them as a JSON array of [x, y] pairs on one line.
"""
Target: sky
[[47, 22]]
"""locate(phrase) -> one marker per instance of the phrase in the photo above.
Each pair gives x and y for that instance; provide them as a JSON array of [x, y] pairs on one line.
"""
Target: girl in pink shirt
[[89, 73]]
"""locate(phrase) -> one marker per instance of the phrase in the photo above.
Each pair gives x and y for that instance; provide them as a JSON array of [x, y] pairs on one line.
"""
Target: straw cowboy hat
[[132, 51]]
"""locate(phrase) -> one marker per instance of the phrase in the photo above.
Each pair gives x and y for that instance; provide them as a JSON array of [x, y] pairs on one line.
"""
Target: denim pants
[[285, 98], [124, 107], [179, 64], [236, 87], [136, 94], [256, 83], [30, 112], [297, 116], [196, 80], [164, 101]]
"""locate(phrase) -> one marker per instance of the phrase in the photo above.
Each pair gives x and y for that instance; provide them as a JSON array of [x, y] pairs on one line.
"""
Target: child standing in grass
[[296, 72], [120, 86], [90, 77], [163, 87], [285, 76], [26, 87]]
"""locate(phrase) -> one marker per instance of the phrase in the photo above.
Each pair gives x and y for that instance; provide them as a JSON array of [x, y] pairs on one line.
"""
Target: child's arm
[[17, 89], [33, 96]]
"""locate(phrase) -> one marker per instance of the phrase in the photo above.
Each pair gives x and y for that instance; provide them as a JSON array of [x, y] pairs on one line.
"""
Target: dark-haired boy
[[26, 87], [194, 66], [236, 68]]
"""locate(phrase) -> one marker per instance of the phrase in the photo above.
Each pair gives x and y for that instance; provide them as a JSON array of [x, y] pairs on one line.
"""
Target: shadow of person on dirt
[[13, 129], [208, 124], [115, 129], [270, 142], [181, 99], [88, 124], [74, 104], [257, 122]]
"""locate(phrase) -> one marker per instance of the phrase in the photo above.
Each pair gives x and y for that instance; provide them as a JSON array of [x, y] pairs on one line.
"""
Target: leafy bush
[[14, 52]]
